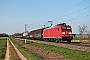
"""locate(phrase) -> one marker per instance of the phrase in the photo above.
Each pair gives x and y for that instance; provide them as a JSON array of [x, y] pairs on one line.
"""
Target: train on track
[[58, 33]]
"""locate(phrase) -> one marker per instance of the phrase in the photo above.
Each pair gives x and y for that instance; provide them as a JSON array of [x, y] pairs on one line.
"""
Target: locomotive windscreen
[[66, 28]]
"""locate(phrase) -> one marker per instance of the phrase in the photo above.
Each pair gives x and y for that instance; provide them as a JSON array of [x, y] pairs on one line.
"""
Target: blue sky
[[14, 14]]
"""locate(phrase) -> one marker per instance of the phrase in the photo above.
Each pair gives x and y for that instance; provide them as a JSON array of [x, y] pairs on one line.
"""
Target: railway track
[[73, 45], [78, 44], [81, 44]]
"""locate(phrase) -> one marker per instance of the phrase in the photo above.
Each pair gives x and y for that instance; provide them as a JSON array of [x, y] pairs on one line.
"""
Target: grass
[[13, 54], [29, 55], [2, 48], [67, 53], [76, 38]]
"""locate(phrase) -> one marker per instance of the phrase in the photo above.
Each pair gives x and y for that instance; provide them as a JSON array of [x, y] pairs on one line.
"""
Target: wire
[[70, 7], [82, 17], [72, 13], [84, 1]]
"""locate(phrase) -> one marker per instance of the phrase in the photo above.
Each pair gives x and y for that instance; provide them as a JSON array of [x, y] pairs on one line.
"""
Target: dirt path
[[7, 51], [19, 54], [46, 55]]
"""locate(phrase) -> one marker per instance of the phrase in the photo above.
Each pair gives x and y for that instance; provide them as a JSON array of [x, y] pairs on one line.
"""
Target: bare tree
[[82, 30]]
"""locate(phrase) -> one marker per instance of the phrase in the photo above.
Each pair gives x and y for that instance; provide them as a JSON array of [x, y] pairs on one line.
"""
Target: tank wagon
[[25, 35], [58, 33]]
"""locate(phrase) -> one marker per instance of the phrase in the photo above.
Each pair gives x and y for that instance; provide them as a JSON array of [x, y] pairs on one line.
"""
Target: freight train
[[58, 33]]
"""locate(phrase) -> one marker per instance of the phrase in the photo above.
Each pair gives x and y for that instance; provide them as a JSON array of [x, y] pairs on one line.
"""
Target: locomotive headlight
[[63, 32], [70, 32]]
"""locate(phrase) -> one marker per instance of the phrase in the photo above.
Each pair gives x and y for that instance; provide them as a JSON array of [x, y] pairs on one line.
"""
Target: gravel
[[74, 47]]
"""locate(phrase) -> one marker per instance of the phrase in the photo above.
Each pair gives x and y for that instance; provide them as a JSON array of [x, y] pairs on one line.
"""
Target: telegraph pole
[[25, 27], [17, 31], [25, 32]]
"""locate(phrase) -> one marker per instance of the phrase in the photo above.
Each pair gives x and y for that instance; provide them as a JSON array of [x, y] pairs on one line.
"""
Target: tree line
[[4, 35]]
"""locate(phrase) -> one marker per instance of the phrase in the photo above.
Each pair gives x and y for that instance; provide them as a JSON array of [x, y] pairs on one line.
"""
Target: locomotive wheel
[[69, 41], [57, 40], [60, 41], [51, 40]]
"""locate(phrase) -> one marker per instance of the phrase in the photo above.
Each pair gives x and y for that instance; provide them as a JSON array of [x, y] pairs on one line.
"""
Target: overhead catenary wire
[[84, 1], [76, 18], [69, 8], [81, 2], [79, 15], [72, 13]]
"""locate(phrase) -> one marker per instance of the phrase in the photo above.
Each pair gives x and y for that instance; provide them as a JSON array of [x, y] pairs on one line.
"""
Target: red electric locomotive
[[61, 32]]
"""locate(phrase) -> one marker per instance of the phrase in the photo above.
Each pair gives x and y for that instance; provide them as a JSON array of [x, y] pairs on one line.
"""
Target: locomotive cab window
[[63, 28]]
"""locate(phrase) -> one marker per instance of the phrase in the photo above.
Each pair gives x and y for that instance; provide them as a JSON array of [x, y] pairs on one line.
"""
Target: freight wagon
[[36, 34]]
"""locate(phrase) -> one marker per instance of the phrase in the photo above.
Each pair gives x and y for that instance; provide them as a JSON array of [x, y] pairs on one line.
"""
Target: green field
[[13, 54], [29, 55], [2, 48], [67, 53], [76, 38]]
